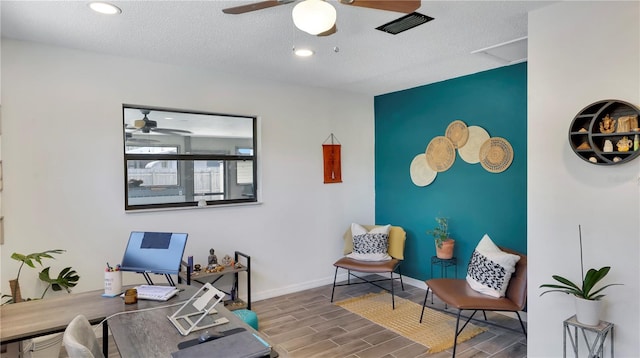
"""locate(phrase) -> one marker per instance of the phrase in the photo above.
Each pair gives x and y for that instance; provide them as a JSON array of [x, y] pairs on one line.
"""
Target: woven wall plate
[[440, 154], [470, 152], [421, 172], [458, 133], [496, 155]]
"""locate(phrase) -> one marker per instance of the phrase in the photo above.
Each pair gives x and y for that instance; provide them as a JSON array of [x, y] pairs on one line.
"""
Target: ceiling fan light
[[314, 16], [104, 8], [302, 52]]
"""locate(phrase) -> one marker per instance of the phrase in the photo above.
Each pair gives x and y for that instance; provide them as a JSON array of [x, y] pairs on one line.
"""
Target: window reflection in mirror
[[177, 158]]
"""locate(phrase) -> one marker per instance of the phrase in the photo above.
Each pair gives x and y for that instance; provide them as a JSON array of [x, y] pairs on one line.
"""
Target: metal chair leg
[[425, 303], [522, 324], [334, 283], [455, 339], [393, 299]]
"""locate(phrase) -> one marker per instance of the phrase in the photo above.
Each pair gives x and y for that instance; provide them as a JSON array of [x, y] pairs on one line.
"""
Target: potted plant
[[66, 279], [444, 244], [588, 297]]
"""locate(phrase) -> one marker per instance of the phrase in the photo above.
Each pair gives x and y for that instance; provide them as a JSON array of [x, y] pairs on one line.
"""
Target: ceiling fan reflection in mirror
[[146, 125], [137, 141], [318, 17]]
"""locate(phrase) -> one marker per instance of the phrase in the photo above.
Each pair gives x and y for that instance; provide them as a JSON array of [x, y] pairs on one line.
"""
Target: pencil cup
[[113, 283]]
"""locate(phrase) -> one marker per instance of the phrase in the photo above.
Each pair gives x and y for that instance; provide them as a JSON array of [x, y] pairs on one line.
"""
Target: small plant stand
[[596, 347], [444, 265]]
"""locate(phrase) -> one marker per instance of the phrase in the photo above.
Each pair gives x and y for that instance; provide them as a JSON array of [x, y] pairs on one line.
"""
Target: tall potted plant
[[587, 296], [65, 280], [444, 244]]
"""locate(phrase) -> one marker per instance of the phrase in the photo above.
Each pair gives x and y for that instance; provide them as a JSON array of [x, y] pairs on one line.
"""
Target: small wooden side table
[[596, 347]]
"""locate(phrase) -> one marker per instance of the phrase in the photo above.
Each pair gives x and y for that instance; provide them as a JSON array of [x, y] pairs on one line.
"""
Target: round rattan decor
[[440, 153], [421, 172], [458, 133], [470, 152], [496, 155]]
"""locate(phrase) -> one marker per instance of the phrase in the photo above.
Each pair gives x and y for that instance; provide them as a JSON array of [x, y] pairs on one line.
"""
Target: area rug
[[436, 331]]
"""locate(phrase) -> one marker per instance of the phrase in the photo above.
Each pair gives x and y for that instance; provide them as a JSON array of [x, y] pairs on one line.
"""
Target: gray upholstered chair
[[80, 341]]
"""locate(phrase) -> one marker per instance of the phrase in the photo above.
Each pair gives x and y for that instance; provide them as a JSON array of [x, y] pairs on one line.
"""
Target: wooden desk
[[31, 319], [151, 334]]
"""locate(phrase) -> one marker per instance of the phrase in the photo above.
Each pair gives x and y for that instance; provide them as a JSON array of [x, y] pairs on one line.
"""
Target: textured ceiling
[[197, 33]]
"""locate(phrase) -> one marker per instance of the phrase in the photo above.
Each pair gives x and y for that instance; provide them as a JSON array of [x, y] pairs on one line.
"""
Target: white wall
[[580, 53], [63, 167]]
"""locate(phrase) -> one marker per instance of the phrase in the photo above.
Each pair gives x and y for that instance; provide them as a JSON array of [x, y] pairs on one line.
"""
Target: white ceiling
[[197, 33]]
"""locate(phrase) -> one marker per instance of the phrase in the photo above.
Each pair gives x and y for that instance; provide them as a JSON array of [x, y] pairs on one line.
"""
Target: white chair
[[42, 347], [80, 341]]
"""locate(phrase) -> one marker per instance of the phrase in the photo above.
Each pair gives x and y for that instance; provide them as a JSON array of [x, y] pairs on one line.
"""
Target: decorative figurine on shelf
[[624, 144], [213, 259], [585, 145], [608, 125], [197, 267], [226, 260], [624, 124], [608, 146]]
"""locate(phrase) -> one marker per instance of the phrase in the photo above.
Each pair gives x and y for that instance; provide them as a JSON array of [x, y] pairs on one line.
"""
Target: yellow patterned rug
[[436, 331]]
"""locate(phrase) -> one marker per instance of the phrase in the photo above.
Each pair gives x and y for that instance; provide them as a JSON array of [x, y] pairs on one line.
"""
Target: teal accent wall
[[475, 200]]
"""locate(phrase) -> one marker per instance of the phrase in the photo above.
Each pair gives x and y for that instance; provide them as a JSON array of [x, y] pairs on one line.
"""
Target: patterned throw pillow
[[370, 246], [490, 268]]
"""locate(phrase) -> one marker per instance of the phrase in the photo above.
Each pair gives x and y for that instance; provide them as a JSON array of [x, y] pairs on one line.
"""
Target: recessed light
[[303, 52], [104, 8]]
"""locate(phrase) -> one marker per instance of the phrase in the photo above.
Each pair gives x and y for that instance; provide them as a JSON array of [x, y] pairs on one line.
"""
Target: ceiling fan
[[131, 140], [318, 17], [146, 125]]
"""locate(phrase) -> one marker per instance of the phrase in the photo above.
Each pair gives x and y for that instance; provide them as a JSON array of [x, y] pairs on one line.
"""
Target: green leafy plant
[[66, 279], [441, 231], [586, 290]]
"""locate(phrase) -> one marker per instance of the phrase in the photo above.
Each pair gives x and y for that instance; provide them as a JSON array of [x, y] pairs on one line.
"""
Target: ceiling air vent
[[404, 23]]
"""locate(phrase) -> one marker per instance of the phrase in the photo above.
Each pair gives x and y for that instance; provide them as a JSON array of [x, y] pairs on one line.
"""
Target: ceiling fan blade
[[331, 31], [169, 130], [255, 6], [404, 6]]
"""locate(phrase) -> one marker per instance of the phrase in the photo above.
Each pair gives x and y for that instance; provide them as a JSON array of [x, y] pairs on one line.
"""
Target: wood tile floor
[[306, 324]]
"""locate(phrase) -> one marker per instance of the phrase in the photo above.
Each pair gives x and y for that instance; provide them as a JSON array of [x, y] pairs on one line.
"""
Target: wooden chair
[[397, 237], [457, 293]]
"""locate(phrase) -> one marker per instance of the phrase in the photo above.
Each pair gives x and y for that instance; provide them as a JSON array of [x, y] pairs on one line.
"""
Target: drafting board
[[195, 314]]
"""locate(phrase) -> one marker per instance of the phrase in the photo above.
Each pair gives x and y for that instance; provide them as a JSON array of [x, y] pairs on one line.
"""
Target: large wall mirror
[[179, 158]]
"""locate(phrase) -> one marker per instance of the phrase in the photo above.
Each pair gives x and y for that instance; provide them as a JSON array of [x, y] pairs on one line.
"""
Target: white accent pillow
[[370, 245], [490, 268]]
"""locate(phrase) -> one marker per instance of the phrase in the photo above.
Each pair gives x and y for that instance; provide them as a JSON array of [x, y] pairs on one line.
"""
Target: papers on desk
[[240, 345], [156, 293]]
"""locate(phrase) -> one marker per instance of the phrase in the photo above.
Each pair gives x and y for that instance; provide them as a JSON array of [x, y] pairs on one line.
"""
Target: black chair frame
[[373, 282], [459, 315]]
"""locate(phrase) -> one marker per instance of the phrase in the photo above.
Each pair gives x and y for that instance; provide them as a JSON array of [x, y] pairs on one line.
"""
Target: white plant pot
[[588, 311]]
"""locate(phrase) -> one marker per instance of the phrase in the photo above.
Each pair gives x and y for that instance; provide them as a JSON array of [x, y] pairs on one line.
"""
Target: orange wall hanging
[[331, 159]]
